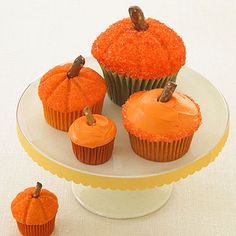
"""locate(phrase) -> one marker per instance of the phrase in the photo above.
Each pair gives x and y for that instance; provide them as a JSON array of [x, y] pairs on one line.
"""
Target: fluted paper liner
[[93, 156], [160, 151], [63, 120], [37, 230], [119, 87]]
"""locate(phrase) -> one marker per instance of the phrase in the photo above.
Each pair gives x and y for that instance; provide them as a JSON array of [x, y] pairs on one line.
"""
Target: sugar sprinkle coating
[[68, 95], [154, 53]]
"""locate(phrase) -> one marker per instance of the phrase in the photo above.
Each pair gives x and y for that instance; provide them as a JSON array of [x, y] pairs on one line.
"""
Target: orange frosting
[[154, 53], [100, 133], [147, 118], [34, 211], [68, 95]]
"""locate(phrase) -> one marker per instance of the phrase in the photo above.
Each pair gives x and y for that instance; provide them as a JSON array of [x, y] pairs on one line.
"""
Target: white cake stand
[[126, 186]]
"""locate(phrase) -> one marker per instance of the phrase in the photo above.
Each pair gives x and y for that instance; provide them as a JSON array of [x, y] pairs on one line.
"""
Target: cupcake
[[66, 89], [35, 211], [92, 138], [160, 124], [137, 54]]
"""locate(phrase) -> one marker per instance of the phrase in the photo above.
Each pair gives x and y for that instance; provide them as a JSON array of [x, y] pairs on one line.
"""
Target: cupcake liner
[[37, 230], [63, 120], [160, 151], [93, 156], [119, 87]]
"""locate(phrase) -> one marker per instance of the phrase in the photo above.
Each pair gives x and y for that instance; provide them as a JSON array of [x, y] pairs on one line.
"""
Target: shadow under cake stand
[[127, 186]]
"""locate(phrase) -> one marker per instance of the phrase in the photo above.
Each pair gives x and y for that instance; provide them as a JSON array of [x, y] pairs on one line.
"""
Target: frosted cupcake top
[[31, 209], [146, 117], [63, 90], [154, 52], [98, 134]]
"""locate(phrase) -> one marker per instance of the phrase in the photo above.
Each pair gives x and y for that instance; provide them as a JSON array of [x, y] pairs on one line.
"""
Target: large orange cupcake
[[66, 89], [92, 138], [35, 211], [137, 54], [161, 128]]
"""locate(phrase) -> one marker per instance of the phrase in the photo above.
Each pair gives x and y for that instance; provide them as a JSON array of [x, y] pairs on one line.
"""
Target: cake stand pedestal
[[127, 186], [121, 204]]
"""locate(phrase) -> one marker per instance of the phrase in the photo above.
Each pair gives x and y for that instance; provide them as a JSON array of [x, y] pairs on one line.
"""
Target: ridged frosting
[[34, 211], [68, 95], [154, 53], [144, 116], [100, 133]]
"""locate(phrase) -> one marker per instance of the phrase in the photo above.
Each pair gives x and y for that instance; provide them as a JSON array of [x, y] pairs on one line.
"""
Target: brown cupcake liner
[[37, 230], [63, 120], [119, 87], [93, 156], [160, 151]]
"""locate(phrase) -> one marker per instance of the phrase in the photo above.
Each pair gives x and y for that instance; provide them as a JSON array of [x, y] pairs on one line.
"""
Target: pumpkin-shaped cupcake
[[66, 89], [137, 54], [161, 125], [35, 211], [92, 138]]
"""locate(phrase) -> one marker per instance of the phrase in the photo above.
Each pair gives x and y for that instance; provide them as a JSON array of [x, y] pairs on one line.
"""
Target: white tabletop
[[36, 35]]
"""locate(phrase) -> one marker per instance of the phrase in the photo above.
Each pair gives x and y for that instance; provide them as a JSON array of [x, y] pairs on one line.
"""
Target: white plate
[[55, 144]]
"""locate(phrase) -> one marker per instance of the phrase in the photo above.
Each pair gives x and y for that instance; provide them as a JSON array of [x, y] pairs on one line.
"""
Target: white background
[[36, 35]]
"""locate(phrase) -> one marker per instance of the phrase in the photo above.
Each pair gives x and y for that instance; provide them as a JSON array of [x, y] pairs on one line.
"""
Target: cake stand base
[[120, 204]]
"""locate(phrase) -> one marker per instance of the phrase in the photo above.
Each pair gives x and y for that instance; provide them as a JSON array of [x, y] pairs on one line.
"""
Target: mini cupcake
[[137, 54], [92, 138], [161, 125], [35, 211], [66, 89]]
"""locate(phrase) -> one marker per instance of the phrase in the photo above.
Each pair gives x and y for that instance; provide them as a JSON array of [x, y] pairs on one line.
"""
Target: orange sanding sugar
[[154, 53], [68, 95], [56, 70], [34, 211]]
